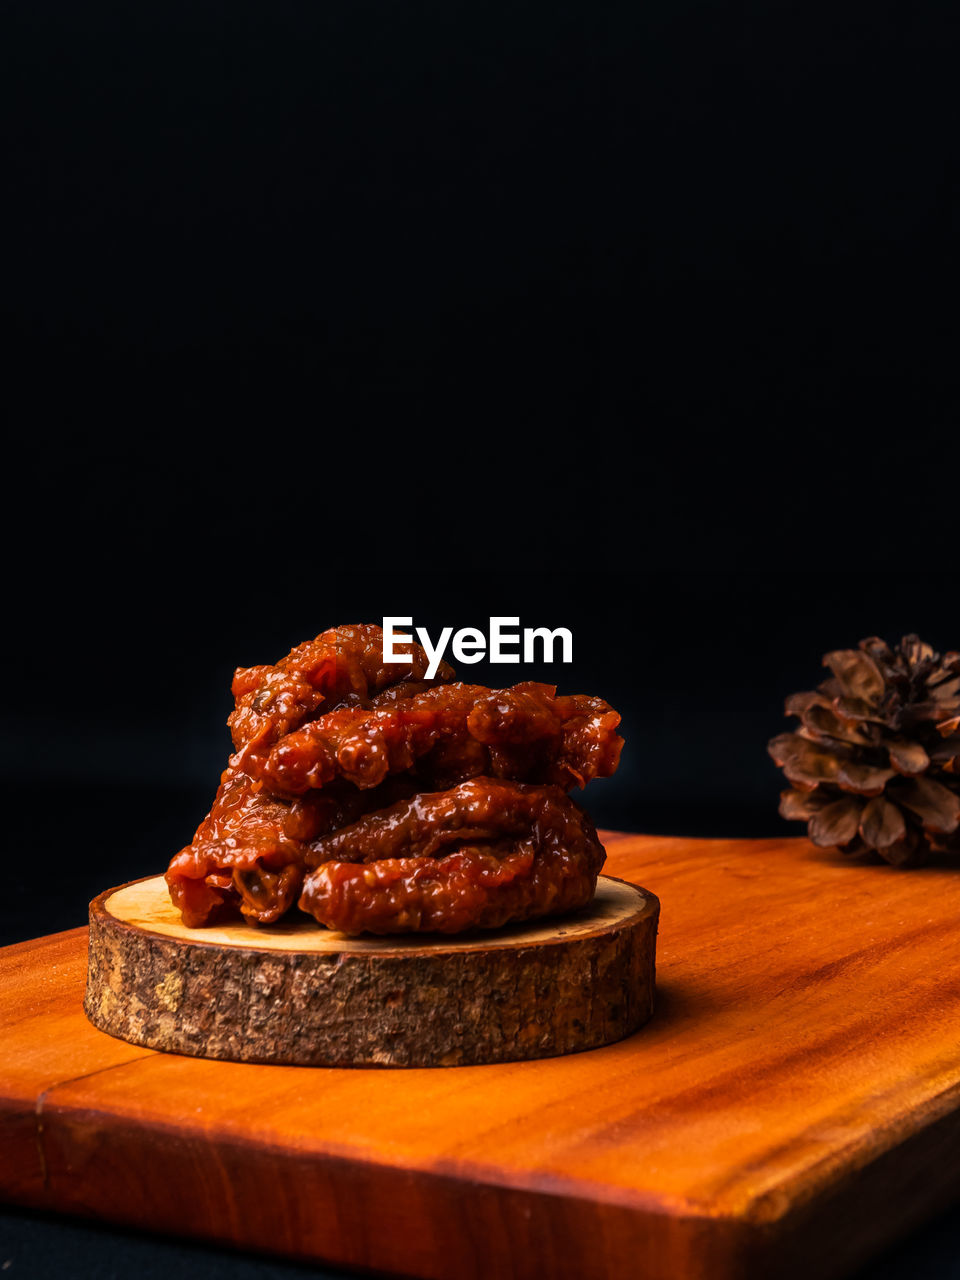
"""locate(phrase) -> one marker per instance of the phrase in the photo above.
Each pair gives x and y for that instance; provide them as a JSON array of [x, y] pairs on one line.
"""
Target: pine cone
[[875, 763]]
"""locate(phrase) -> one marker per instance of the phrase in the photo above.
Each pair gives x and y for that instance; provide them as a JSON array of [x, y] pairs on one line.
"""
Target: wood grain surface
[[296, 993], [792, 1107]]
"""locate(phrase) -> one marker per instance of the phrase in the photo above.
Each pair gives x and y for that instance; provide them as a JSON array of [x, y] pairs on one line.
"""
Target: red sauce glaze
[[386, 803], [341, 667], [524, 733], [478, 856]]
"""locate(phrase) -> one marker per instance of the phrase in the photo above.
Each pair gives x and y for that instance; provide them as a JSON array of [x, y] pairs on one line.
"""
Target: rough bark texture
[[556, 990]]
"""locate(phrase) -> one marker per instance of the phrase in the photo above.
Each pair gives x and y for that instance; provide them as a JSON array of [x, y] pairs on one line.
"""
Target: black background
[[635, 319]]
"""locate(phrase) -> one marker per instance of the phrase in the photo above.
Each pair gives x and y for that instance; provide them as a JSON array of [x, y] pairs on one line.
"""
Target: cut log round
[[300, 994]]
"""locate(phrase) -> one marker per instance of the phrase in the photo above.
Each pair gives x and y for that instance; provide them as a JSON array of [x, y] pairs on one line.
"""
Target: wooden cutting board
[[793, 1106]]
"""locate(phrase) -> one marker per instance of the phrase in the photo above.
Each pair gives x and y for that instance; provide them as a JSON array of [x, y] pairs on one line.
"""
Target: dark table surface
[[38, 1247]]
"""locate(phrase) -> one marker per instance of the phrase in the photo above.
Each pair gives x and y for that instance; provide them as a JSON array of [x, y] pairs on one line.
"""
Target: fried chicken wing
[[384, 802]]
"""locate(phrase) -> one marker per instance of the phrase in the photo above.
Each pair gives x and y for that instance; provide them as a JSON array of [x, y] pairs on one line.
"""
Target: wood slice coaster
[[301, 994]]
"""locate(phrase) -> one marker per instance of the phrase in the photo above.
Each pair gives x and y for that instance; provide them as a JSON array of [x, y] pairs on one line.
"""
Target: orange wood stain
[[795, 1102]]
